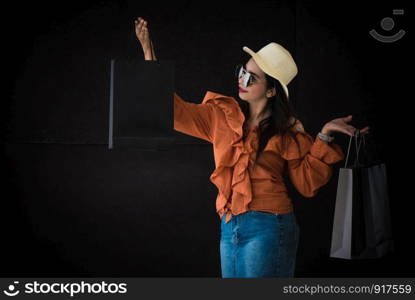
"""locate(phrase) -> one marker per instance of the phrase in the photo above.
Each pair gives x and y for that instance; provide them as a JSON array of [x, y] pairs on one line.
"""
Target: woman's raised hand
[[141, 31], [340, 125]]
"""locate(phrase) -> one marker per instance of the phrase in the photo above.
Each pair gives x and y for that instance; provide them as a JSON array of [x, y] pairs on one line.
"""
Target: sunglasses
[[248, 78]]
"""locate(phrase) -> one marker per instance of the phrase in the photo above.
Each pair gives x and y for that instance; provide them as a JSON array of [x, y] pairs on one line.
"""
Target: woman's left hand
[[340, 125]]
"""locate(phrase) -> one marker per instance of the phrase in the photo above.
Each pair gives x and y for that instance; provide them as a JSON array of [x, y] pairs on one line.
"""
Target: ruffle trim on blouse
[[231, 172], [222, 176], [233, 114]]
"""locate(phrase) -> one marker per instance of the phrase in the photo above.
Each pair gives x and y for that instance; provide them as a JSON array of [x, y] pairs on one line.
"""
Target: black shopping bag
[[141, 103], [362, 224]]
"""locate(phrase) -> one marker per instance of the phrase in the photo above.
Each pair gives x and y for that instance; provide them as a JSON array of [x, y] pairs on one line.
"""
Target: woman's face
[[256, 90]]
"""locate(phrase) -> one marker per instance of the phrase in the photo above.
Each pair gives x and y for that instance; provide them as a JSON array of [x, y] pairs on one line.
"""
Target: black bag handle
[[355, 134], [367, 157]]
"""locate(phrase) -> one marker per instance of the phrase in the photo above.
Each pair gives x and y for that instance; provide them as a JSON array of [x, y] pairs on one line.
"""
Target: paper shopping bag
[[362, 224]]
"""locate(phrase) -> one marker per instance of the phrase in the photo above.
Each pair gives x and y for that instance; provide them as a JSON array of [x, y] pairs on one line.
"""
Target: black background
[[71, 207]]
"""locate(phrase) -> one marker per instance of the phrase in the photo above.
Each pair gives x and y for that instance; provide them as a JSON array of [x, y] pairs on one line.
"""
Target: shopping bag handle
[[357, 135]]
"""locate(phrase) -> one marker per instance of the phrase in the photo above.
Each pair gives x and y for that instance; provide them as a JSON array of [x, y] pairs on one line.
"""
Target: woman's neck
[[255, 120]]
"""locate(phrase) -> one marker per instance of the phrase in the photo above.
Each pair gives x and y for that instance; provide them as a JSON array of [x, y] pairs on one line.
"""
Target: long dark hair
[[279, 122]]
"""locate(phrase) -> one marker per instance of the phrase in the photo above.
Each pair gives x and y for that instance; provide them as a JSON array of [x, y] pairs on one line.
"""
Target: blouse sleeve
[[310, 166], [195, 119]]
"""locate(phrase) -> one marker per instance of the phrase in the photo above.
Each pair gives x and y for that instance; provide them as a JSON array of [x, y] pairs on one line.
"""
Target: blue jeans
[[259, 244]]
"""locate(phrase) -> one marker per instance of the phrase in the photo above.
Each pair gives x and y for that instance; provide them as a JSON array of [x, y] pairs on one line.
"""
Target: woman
[[255, 141]]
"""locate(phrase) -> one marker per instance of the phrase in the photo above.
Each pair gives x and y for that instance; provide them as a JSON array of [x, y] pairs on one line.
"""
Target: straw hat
[[276, 61]]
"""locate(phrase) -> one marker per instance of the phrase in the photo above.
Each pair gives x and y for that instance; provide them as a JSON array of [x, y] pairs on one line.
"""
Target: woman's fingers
[[348, 129], [142, 34], [348, 118], [341, 125], [361, 131], [141, 27], [366, 129], [140, 23]]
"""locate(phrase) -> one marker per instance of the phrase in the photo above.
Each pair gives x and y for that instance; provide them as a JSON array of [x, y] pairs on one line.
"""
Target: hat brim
[[265, 68]]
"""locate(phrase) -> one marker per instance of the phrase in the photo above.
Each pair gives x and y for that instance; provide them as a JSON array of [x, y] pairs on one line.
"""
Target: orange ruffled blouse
[[243, 185]]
